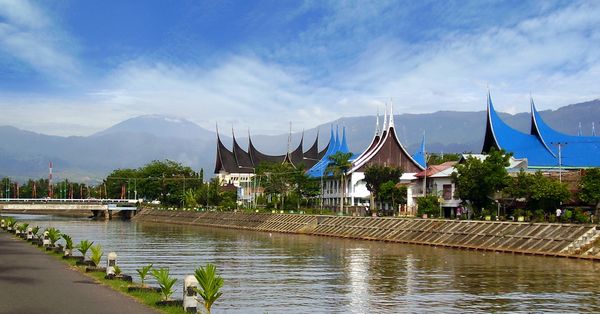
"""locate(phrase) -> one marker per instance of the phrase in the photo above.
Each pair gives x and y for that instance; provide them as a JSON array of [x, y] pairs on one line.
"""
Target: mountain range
[[136, 141]]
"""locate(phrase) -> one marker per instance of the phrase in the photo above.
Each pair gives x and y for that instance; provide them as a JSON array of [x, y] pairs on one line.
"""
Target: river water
[[283, 273]]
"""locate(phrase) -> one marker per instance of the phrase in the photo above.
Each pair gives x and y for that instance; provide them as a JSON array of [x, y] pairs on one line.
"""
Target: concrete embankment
[[566, 240]]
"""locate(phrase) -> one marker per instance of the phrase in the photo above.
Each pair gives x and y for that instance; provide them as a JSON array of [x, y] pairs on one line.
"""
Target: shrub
[[96, 254], [539, 215], [566, 216], [53, 235], [580, 216], [117, 270], [35, 230], [428, 205], [143, 272], [165, 282], [68, 241], [84, 246], [210, 285]]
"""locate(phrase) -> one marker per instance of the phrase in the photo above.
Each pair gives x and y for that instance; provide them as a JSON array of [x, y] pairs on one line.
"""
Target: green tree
[[519, 186], [477, 180], [589, 186], [393, 194], [278, 179], [338, 166], [190, 198], [547, 193], [375, 176]]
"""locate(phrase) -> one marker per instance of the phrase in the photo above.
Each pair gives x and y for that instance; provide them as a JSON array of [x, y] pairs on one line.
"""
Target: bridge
[[107, 207]]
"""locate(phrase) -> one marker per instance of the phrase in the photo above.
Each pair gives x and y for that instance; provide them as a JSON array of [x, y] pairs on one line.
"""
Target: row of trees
[[482, 182]]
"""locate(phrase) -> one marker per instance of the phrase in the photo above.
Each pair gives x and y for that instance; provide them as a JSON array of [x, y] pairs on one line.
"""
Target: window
[[447, 191]]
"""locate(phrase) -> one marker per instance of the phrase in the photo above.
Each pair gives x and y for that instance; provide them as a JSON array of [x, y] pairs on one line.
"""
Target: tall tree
[[477, 180], [376, 176], [339, 164]]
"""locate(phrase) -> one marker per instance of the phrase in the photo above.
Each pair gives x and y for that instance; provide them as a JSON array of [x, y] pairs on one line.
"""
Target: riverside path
[[34, 282]]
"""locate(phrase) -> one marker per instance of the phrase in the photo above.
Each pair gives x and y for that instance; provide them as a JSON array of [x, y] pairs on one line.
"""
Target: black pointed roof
[[225, 158], [242, 158]]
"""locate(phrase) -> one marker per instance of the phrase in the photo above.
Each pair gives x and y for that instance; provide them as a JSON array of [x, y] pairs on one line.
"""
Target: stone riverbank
[[561, 240]]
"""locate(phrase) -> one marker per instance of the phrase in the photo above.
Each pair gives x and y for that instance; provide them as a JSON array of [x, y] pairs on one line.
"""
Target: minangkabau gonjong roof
[[239, 160], [540, 147]]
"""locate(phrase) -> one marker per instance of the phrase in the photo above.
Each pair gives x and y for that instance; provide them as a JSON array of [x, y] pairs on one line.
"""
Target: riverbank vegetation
[[210, 283]]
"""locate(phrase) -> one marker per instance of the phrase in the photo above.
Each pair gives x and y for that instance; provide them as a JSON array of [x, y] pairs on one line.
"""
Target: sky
[[78, 67]]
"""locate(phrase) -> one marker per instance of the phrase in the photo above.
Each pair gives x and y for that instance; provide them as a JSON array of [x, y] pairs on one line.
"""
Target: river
[[283, 273]]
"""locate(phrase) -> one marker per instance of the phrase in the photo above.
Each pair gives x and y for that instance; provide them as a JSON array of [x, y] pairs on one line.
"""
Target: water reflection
[[279, 273]]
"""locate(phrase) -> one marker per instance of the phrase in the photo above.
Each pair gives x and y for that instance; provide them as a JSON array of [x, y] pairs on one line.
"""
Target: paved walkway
[[34, 282]]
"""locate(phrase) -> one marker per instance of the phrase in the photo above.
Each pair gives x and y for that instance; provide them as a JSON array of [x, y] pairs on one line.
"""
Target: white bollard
[[46, 239], [111, 262], [29, 233], [190, 303]]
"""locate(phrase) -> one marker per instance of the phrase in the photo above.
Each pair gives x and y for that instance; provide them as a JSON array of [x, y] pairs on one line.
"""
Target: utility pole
[[560, 163]]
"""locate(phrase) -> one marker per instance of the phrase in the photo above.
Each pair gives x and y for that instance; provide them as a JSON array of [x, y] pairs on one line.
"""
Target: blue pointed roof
[[575, 151], [419, 156], [343, 145], [338, 145], [522, 145]]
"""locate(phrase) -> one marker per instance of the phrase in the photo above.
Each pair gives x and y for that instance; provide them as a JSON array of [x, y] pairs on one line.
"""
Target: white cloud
[[555, 56], [30, 36]]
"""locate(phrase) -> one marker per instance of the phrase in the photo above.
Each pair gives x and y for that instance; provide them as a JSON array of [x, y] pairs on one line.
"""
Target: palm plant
[[96, 254], [35, 231], [24, 227], [84, 246], [53, 235], [117, 270], [338, 166], [143, 272], [210, 283], [165, 282], [10, 222], [68, 244]]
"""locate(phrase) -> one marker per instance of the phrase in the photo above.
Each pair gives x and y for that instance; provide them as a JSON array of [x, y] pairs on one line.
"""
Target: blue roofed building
[[543, 147]]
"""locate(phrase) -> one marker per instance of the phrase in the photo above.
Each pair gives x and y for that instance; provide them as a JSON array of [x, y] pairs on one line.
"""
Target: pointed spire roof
[[420, 156], [391, 124], [385, 127], [377, 123], [344, 145]]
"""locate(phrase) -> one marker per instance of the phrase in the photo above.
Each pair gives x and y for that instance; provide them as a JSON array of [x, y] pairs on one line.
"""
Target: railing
[[68, 200]]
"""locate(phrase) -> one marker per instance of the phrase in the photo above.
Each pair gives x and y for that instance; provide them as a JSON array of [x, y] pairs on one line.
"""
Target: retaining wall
[[567, 240]]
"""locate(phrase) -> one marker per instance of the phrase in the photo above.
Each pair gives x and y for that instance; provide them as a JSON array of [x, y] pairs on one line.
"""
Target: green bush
[[165, 282], [210, 285], [143, 272], [539, 215], [580, 216], [566, 216], [96, 254], [428, 205], [84, 246]]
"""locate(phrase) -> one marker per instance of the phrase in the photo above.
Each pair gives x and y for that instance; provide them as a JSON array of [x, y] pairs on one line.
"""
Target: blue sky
[[76, 67]]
